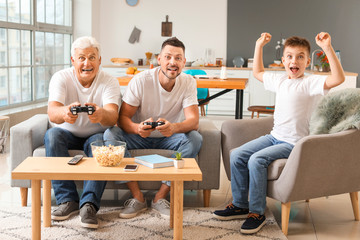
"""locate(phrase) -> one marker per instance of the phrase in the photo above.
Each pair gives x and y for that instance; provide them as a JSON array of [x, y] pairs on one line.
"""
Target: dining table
[[228, 84]]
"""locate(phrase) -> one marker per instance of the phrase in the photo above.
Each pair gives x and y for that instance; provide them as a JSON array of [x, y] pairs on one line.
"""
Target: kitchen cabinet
[[225, 104]]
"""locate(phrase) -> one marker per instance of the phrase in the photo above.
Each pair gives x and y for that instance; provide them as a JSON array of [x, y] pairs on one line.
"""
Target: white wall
[[82, 18], [199, 24]]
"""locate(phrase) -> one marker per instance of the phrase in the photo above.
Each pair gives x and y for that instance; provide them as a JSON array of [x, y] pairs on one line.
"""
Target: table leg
[[172, 204], [47, 202], [178, 209], [239, 104], [36, 209]]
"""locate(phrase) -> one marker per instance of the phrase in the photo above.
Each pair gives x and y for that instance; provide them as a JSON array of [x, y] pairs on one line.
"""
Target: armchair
[[27, 140], [319, 165]]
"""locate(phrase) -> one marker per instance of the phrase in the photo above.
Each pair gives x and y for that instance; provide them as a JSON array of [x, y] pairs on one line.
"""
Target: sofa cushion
[[40, 152], [275, 169]]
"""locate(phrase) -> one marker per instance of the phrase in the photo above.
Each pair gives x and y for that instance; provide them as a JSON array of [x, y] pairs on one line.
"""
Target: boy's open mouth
[[294, 69]]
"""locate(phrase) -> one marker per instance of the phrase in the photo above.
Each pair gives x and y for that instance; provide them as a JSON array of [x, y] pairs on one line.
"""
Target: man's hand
[[168, 129], [68, 116], [323, 40], [263, 40], [145, 130], [97, 115]]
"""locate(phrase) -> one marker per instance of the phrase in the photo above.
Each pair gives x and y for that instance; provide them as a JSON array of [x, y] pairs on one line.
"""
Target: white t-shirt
[[65, 88], [296, 99], [145, 92]]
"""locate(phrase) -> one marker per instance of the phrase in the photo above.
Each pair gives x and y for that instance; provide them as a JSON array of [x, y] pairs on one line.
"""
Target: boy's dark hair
[[297, 42], [173, 42]]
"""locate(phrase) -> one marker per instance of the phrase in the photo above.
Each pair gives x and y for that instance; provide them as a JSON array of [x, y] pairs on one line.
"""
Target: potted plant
[[178, 161]]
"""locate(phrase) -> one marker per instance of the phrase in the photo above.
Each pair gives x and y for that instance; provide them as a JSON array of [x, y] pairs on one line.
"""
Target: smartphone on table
[[131, 167]]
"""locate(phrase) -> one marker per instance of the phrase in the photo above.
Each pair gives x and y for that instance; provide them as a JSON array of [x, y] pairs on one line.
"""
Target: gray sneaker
[[132, 207], [162, 206], [88, 216], [65, 210]]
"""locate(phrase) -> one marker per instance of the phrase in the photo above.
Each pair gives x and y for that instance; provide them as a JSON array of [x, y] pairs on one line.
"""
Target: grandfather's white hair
[[85, 42]]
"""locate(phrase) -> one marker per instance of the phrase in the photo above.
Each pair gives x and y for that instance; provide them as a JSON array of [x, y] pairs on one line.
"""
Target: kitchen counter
[[231, 68]]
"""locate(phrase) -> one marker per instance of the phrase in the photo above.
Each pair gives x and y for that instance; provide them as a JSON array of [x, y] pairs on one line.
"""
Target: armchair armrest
[[25, 137], [320, 165], [209, 155], [235, 133]]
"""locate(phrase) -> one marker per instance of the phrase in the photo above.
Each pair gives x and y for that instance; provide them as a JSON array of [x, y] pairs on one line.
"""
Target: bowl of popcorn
[[108, 153]]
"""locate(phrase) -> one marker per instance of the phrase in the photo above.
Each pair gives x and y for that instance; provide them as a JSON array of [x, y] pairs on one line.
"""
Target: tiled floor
[[322, 218]]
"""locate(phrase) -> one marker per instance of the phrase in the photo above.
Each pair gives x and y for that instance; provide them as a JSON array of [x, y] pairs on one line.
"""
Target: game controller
[[154, 124], [89, 109]]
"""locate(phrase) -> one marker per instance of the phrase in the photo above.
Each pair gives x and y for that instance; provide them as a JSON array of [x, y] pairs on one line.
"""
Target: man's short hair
[[85, 42], [173, 42], [297, 42]]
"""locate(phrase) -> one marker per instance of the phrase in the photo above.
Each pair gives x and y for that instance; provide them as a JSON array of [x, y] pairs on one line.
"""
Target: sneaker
[[162, 206], [231, 212], [88, 216], [132, 207], [65, 210], [253, 223]]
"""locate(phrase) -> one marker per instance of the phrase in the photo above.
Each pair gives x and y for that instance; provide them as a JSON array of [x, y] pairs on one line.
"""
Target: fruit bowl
[[108, 153]]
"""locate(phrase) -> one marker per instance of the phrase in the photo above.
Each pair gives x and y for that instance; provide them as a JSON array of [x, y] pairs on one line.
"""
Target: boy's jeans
[[57, 143], [249, 164], [188, 144]]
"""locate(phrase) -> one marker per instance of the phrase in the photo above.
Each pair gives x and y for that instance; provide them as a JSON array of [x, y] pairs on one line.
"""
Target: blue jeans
[[57, 143], [249, 164], [188, 144]]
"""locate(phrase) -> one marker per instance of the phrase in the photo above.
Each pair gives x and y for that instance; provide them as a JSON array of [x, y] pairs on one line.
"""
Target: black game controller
[[89, 109], [154, 124]]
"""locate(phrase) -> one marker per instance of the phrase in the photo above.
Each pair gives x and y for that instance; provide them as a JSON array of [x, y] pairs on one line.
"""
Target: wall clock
[[132, 2]]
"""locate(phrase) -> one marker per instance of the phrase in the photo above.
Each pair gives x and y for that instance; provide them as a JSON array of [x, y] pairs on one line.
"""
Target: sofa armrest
[[235, 133], [209, 155], [320, 165], [25, 137]]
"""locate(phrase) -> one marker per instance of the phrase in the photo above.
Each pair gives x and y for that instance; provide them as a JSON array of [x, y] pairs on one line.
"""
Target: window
[[32, 48]]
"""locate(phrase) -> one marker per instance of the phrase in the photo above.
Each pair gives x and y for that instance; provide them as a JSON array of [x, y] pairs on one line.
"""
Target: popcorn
[[109, 156]]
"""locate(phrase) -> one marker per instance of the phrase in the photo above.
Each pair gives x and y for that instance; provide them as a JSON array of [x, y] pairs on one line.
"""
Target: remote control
[[75, 160]]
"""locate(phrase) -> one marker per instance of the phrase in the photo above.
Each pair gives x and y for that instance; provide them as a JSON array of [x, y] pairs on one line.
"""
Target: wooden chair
[[261, 109]]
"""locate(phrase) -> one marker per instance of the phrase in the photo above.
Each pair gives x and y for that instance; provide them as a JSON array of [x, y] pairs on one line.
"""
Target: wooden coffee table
[[45, 169]]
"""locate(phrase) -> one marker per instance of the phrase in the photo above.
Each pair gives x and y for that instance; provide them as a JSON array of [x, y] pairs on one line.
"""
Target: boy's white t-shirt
[[65, 88], [145, 92], [296, 99]]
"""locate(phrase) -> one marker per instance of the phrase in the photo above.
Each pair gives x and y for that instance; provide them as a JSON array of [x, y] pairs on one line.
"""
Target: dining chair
[[202, 93]]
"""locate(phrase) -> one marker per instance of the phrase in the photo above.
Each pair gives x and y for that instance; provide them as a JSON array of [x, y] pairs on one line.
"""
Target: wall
[[247, 19], [199, 24]]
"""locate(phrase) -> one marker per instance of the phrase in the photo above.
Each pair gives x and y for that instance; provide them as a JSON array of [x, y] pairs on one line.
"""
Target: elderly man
[[82, 85], [163, 94]]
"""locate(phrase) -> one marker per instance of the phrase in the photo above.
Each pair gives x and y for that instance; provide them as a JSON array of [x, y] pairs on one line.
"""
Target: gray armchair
[[26, 139], [319, 165]]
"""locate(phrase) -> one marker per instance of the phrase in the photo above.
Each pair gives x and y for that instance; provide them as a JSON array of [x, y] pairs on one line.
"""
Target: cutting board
[[166, 28]]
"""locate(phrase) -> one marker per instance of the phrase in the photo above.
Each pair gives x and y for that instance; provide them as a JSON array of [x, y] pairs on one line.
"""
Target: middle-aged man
[[82, 85], [162, 94]]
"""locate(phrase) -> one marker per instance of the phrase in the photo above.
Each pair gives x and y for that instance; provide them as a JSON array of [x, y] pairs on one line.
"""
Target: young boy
[[296, 97]]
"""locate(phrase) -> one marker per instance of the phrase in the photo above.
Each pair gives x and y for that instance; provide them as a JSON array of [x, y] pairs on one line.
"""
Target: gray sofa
[[26, 139], [318, 166]]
